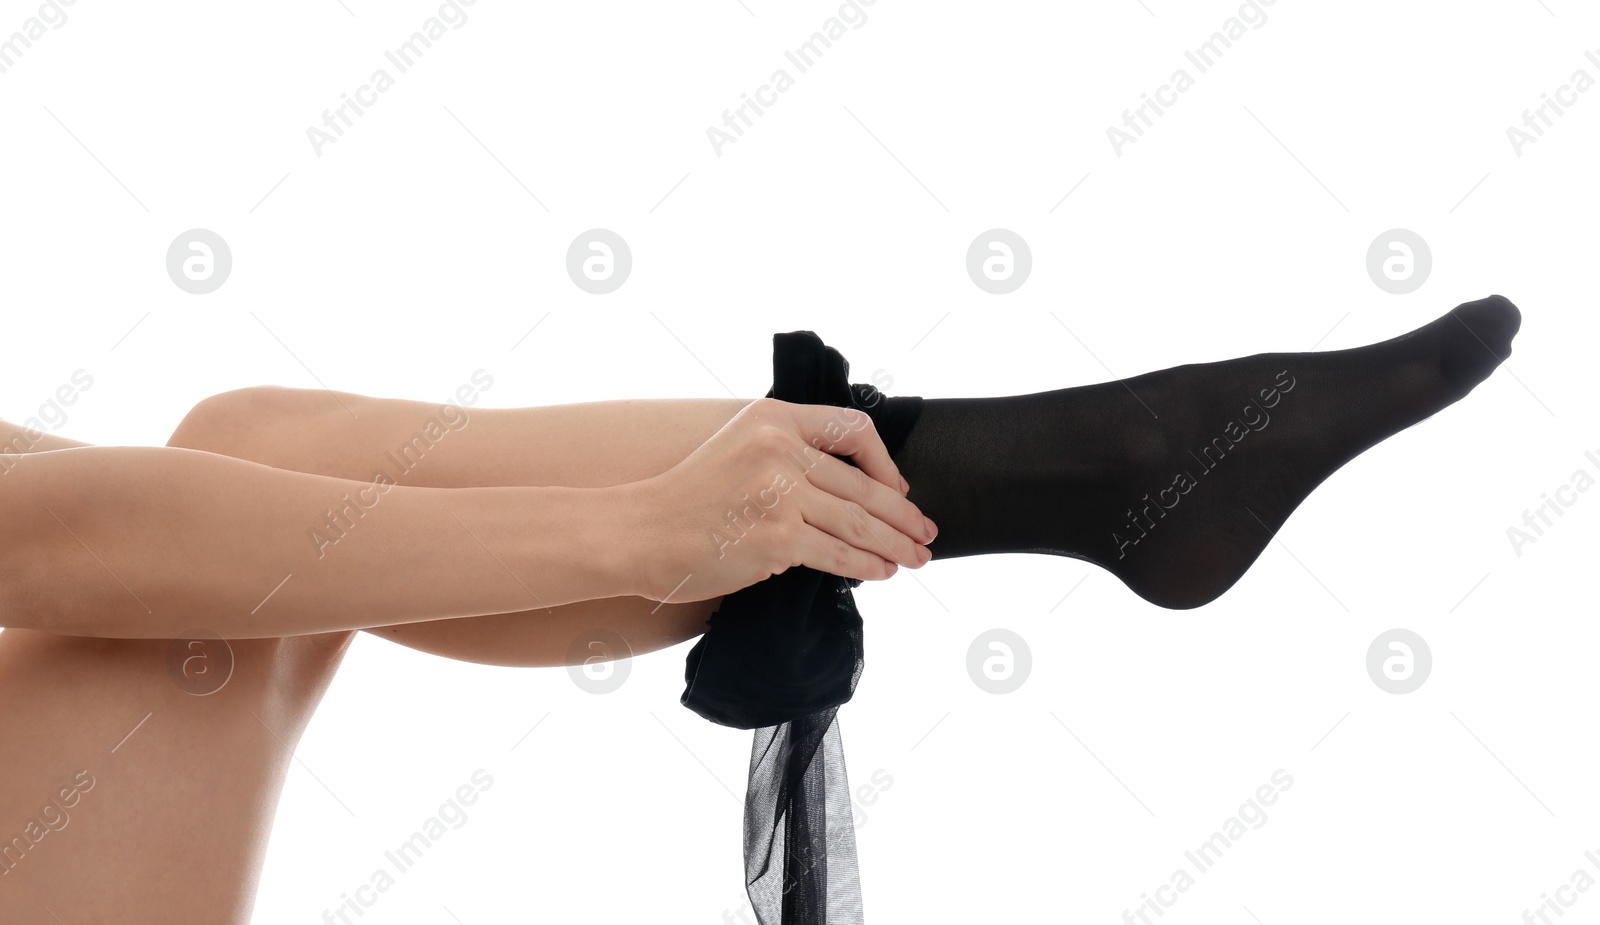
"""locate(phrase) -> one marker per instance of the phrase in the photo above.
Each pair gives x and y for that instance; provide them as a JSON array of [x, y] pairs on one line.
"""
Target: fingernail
[[924, 554], [932, 530], [905, 486]]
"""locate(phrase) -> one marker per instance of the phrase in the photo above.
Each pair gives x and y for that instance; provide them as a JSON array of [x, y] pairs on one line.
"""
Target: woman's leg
[[141, 775], [1176, 480], [1093, 472], [98, 727], [74, 691], [125, 798]]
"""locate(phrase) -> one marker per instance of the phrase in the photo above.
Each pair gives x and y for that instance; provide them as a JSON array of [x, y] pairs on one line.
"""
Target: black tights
[[1175, 481]]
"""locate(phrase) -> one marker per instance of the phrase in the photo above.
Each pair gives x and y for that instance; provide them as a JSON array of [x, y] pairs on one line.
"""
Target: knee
[[219, 420], [250, 421]]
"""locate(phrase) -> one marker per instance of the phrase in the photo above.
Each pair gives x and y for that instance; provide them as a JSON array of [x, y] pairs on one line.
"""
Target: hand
[[763, 495]]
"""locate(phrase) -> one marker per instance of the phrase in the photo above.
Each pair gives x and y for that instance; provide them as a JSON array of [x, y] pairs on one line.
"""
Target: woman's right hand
[[765, 494]]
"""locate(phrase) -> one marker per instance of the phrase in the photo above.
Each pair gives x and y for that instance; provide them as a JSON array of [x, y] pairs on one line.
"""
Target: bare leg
[[589, 445], [101, 726], [96, 732], [76, 700], [109, 708], [132, 847]]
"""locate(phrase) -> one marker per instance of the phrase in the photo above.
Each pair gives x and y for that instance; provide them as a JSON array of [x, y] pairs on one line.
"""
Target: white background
[[412, 253]]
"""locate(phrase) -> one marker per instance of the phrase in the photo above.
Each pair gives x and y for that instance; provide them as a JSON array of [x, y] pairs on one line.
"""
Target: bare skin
[[149, 542], [98, 732], [313, 431], [173, 825], [107, 727]]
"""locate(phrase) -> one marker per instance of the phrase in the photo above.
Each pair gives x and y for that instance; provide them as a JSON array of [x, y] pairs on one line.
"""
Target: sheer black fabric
[[780, 657]]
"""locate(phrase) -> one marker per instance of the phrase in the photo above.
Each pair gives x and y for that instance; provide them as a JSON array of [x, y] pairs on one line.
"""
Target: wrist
[[609, 527], [577, 544]]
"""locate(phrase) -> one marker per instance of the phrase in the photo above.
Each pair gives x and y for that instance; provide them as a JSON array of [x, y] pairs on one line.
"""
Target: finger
[[886, 505], [853, 524], [827, 553], [850, 432]]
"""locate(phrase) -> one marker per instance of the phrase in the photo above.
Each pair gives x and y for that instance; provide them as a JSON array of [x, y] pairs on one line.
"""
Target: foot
[[1176, 480], [1239, 444]]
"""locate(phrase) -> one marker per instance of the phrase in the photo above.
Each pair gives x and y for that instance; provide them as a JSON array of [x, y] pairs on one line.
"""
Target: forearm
[[155, 542], [590, 445]]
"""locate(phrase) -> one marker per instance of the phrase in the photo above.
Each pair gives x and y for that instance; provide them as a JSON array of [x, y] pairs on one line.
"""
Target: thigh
[[130, 794], [566, 635]]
